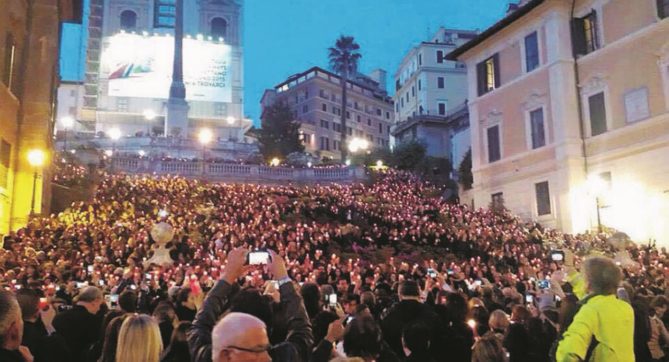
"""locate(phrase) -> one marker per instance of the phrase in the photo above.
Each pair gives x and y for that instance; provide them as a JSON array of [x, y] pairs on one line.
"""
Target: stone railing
[[236, 172]]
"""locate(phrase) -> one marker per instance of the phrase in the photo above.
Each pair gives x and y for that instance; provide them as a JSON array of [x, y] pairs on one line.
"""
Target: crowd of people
[[80, 285]]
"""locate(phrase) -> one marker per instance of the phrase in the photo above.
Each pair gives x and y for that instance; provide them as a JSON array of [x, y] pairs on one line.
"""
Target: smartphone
[[449, 271], [557, 255], [544, 284], [81, 285], [477, 283], [147, 276], [529, 299], [258, 257], [89, 268], [332, 299], [431, 272], [101, 282]]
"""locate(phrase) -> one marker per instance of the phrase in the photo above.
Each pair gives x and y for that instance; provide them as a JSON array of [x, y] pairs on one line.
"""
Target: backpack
[[593, 342]]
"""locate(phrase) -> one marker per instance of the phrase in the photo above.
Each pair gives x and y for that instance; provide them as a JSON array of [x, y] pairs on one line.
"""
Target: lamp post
[[115, 135], [597, 187], [67, 123], [204, 137], [231, 122], [36, 159], [149, 116], [355, 145]]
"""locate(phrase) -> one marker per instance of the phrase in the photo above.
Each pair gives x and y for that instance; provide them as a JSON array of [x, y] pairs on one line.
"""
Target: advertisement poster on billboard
[[134, 65]]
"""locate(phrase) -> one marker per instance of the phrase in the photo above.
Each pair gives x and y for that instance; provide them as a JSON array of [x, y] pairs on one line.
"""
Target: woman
[[489, 349], [139, 340], [111, 339], [178, 348]]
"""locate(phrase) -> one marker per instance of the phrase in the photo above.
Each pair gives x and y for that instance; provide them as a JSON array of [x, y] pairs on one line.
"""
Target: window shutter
[[498, 75], [481, 77], [578, 36]]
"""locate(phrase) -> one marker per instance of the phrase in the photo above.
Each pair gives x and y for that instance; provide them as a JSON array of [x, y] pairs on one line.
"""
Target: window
[[220, 109], [440, 82], [663, 8], [488, 76], [497, 200], [597, 114], [543, 198], [378, 112], [128, 20], [5, 156], [420, 59], [440, 56], [380, 128], [442, 109], [494, 152], [325, 144], [324, 107], [348, 115], [122, 104], [537, 128], [219, 27], [9, 63], [369, 121], [636, 105], [305, 108], [531, 52], [387, 115], [358, 118], [349, 130], [585, 34], [164, 14], [306, 138], [419, 85], [321, 93], [336, 127], [325, 124]]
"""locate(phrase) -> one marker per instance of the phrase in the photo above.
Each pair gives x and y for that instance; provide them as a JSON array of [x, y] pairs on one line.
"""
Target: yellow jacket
[[610, 321]]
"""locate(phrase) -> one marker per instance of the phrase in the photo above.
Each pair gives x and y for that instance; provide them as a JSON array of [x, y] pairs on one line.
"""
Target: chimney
[[379, 76]]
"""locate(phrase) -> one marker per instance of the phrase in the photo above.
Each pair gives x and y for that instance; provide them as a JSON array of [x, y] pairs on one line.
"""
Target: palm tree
[[344, 57]]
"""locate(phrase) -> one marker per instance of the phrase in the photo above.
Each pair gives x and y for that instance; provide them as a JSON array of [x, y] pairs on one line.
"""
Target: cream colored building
[[560, 126]]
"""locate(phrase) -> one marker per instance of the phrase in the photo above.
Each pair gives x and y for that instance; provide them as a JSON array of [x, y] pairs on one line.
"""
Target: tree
[[279, 135], [344, 58], [465, 171], [407, 155]]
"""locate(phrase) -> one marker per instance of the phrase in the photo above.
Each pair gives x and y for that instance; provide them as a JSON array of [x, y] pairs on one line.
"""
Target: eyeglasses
[[260, 349]]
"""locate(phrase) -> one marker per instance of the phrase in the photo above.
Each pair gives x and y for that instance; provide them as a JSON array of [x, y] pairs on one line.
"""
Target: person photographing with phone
[[242, 336]]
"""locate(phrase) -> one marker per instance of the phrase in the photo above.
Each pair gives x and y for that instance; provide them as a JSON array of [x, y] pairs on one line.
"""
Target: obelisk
[[176, 121]]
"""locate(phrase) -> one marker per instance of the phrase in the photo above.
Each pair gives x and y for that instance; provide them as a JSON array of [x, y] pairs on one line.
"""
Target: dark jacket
[[10, 356], [402, 313], [517, 343], [176, 352], [42, 346], [79, 328], [296, 347]]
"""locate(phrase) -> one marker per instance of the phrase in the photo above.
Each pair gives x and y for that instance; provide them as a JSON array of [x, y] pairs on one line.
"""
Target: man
[[38, 331], [80, 326], [11, 330], [299, 338], [186, 304], [127, 301], [409, 309], [240, 336], [603, 327]]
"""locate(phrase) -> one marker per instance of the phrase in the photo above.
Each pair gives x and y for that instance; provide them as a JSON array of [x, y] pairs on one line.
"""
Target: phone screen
[[529, 298], [258, 257], [557, 255], [89, 268], [332, 298]]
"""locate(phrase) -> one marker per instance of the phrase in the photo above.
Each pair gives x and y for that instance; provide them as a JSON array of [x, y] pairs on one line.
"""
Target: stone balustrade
[[236, 172]]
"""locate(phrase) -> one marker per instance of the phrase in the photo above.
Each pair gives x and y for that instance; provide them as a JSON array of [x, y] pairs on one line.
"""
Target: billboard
[[136, 65]]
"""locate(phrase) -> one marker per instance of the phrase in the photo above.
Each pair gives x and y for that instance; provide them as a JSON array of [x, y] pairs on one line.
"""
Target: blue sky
[[284, 37]]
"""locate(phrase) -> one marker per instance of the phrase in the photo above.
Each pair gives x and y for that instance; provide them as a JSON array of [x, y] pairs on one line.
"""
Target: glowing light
[[109, 153], [348, 162], [200, 37], [230, 120], [36, 157], [67, 122], [275, 162], [149, 115], [73, 151], [115, 134], [596, 185], [379, 164], [142, 153], [205, 136], [309, 164], [471, 323], [358, 144], [163, 213]]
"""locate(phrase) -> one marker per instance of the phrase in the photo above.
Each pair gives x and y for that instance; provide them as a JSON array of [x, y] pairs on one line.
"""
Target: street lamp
[[597, 186], [358, 144], [204, 137], [36, 159], [67, 122], [149, 115], [275, 162], [115, 135]]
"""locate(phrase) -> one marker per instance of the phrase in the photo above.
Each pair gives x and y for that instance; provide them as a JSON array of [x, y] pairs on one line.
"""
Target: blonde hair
[[139, 340]]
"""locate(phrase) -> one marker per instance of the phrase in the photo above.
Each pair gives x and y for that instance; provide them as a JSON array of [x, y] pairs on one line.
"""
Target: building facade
[[428, 87], [570, 99], [28, 80], [129, 66], [315, 98]]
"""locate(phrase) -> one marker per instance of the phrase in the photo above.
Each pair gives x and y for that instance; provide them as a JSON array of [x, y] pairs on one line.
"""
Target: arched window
[[219, 27], [128, 20]]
